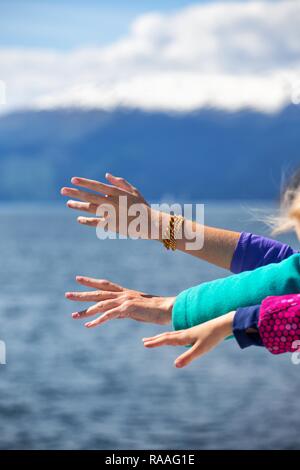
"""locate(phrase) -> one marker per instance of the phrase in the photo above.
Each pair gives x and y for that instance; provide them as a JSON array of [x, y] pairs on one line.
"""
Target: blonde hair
[[288, 218]]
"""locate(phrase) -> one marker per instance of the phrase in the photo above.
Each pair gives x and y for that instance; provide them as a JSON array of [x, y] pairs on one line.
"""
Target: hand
[[114, 301], [203, 338], [103, 194]]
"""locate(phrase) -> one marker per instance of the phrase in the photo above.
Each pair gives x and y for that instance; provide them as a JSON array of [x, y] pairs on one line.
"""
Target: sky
[[177, 55], [42, 23]]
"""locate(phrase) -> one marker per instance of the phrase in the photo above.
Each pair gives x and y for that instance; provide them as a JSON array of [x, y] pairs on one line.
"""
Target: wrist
[[167, 306], [157, 221], [226, 323]]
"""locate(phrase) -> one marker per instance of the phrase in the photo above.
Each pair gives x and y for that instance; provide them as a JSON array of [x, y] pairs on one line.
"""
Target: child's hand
[[114, 301], [203, 338]]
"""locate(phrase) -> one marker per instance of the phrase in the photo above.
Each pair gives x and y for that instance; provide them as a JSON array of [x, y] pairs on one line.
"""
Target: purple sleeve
[[254, 251], [247, 317]]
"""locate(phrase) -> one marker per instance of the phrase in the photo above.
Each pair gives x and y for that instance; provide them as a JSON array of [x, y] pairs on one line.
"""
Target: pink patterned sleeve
[[279, 323]]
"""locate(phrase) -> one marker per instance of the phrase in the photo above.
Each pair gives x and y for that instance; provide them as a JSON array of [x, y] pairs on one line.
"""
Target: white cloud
[[226, 55]]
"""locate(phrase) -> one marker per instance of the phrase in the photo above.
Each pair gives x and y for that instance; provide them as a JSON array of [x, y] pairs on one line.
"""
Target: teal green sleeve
[[213, 299]]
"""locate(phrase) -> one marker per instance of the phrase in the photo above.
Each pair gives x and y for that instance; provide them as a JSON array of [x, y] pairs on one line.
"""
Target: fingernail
[[88, 325], [68, 294], [107, 175], [76, 315], [74, 180], [178, 365], [62, 191], [81, 220]]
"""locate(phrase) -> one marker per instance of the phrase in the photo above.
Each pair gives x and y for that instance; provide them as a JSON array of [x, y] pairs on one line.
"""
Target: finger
[[188, 356], [85, 196], [91, 221], [120, 183], [94, 296], [150, 338], [167, 339], [97, 186], [97, 308], [110, 315], [83, 206], [101, 284]]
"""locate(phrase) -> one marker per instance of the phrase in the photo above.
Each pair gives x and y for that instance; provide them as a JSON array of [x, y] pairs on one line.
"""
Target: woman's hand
[[114, 301], [203, 338], [103, 195], [219, 245]]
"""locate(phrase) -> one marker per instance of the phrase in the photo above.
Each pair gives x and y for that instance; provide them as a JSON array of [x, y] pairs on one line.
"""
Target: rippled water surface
[[65, 387]]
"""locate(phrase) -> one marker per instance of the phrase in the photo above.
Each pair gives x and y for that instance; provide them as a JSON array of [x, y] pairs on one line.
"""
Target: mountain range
[[208, 154]]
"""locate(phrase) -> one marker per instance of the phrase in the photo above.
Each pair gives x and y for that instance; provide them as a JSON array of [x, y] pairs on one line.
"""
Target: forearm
[[218, 245], [235, 251]]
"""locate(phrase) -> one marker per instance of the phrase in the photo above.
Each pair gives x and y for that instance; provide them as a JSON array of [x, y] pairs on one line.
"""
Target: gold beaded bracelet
[[170, 236], [177, 226], [167, 237]]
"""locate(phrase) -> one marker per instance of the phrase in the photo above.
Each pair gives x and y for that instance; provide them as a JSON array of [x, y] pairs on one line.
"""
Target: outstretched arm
[[275, 324], [227, 249], [202, 338], [194, 306]]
